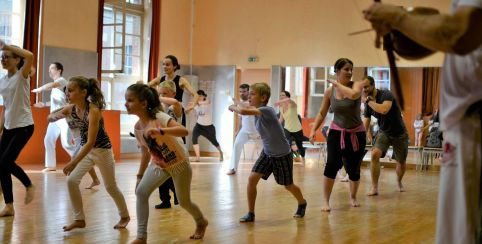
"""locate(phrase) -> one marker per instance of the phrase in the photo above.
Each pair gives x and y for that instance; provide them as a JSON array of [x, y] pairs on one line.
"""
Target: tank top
[[102, 139], [346, 111], [290, 116], [179, 90]]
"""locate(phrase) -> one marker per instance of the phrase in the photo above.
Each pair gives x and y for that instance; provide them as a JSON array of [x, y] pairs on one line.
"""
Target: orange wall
[[279, 32], [251, 76], [34, 151]]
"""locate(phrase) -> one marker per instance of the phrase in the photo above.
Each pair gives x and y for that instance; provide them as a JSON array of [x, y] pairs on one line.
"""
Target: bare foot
[[94, 183], [29, 194], [373, 192], [7, 211], [354, 203], [122, 223], [325, 207], [74, 225], [200, 230], [231, 172], [400, 187], [196, 160], [138, 241], [221, 157]]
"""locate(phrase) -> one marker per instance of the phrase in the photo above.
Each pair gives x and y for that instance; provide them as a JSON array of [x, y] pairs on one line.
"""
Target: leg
[[400, 150], [50, 139], [353, 191], [164, 194], [327, 188], [153, 177], [375, 171], [95, 179], [182, 182], [104, 159], [210, 133], [400, 172], [196, 132], [197, 152], [73, 181], [352, 162], [252, 190], [298, 136], [241, 139]]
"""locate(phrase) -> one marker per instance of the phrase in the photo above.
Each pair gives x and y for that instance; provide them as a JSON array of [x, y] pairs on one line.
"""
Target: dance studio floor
[[391, 217]]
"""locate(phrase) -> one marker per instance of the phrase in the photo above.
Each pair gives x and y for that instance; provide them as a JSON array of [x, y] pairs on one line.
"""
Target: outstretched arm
[[47, 87], [245, 110], [25, 54], [453, 33], [351, 93]]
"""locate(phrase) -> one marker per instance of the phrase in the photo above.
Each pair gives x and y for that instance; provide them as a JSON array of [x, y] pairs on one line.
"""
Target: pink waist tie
[[353, 138]]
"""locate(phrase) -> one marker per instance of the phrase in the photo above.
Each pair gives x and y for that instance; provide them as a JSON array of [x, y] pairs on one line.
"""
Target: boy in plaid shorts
[[276, 156]]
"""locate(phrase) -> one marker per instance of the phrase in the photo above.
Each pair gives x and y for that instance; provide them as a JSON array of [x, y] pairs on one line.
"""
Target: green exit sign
[[252, 59]]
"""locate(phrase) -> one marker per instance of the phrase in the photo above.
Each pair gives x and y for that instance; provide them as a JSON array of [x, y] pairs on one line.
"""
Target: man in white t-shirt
[[246, 132], [59, 127], [458, 35]]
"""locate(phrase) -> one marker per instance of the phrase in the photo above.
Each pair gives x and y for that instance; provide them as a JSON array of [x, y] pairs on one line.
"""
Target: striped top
[[102, 139]]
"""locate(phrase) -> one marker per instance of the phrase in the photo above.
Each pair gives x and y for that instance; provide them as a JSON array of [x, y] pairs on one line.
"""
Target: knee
[[72, 181], [376, 154], [141, 193]]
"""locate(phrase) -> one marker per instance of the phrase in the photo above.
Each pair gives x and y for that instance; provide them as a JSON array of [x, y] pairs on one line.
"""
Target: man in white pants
[[458, 35], [59, 127], [246, 132]]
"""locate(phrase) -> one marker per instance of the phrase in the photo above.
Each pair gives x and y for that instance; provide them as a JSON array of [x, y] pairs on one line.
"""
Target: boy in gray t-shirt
[[276, 156]]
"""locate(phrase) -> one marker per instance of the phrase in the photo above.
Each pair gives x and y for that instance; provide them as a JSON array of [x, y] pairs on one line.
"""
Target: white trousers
[[458, 215], [104, 159], [54, 130], [238, 147]]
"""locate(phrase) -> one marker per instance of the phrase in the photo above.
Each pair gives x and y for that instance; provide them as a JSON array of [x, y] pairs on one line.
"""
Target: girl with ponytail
[[85, 109], [163, 156]]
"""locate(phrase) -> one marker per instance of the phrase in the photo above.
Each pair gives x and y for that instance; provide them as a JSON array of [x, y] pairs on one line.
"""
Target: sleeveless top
[[346, 111], [290, 116], [102, 139], [179, 90]]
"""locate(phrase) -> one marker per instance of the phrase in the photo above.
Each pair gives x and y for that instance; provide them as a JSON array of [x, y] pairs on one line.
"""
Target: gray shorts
[[399, 144], [281, 167]]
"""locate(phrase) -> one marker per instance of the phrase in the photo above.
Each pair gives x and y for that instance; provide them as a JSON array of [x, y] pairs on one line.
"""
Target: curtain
[[31, 37], [430, 89], [153, 70], [100, 29]]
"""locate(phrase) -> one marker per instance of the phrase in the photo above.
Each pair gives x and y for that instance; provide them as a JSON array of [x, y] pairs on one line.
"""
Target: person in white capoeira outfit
[[247, 130], [59, 127]]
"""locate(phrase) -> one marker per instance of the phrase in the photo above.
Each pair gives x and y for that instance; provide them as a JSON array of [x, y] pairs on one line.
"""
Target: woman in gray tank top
[[346, 138]]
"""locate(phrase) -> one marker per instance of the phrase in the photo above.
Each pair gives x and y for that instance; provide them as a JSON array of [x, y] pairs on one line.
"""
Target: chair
[[317, 145], [428, 154]]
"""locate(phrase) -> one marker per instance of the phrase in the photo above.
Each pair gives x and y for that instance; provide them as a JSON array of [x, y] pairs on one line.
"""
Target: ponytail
[[94, 94]]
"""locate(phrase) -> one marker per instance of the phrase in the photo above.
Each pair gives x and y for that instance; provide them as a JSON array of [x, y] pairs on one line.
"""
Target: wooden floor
[[391, 217]]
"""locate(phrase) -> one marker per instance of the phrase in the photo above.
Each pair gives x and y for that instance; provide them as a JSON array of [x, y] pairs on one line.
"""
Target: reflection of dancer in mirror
[[85, 109], [16, 121], [159, 135], [347, 137], [292, 124], [246, 131], [458, 35], [204, 126], [418, 126]]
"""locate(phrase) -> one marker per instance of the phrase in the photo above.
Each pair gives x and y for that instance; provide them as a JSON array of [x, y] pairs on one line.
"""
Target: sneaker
[[249, 217], [163, 205], [300, 212]]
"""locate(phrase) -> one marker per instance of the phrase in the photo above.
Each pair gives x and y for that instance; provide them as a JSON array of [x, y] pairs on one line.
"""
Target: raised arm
[[325, 105], [25, 54], [186, 86], [453, 33], [154, 82], [60, 113], [352, 93], [245, 110], [176, 105], [381, 108], [47, 87]]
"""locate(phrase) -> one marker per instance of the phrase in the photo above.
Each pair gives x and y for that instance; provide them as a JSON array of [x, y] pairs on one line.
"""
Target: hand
[[37, 90], [153, 133], [312, 137], [232, 108], [382, 18], [68, 168], [333, 82]]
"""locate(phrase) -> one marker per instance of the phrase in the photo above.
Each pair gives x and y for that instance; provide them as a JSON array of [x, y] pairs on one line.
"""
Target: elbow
[[243, 111], [184, 132], [385, 111]]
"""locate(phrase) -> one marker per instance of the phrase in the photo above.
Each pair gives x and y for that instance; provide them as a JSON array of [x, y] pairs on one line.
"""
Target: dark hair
[[22, 61], [143, 93], [287, 93], [202, 93], [94, 94], [244, 86], [341, 62], [174, 61], [59, 66], [372, 81]]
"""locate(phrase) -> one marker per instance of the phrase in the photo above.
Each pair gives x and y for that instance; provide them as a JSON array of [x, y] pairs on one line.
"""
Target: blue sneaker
[[300, 212], [249, 217]]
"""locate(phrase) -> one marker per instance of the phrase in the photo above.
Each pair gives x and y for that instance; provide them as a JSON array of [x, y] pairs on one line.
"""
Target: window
[[122, 53], [11, 25]]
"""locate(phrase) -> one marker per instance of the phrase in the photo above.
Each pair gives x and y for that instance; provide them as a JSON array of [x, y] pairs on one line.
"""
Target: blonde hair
[[169, 84], [262, 89]]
